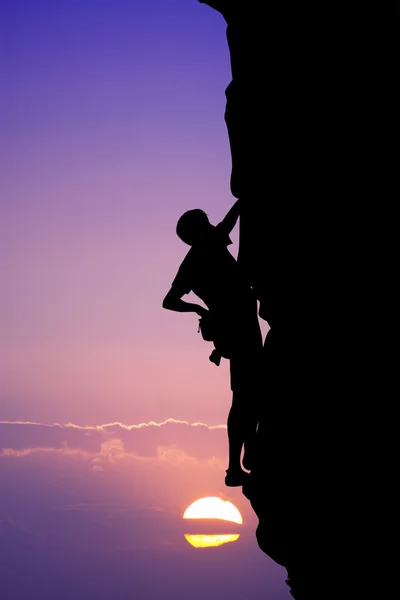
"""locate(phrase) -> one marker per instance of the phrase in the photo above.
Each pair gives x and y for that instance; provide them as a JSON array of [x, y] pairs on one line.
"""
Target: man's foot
[[235, 477]]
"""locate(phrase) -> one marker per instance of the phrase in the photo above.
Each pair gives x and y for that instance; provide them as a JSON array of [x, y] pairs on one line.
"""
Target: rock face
[[310, 117]]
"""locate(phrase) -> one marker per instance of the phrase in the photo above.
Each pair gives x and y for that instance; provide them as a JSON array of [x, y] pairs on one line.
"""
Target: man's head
[[193, 226]]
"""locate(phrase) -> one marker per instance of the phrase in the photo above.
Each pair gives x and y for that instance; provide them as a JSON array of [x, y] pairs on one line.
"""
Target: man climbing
[[211, 272]]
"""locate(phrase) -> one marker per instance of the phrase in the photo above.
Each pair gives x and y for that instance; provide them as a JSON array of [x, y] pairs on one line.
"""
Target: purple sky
[[112, 125]]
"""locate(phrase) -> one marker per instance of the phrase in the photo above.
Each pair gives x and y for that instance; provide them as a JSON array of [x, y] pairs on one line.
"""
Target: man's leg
[[249, 442], [235, 475], [235, 434], [251, 392]]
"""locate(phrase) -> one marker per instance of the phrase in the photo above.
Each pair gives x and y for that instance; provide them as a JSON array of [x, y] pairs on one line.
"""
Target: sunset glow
[[213, 507]]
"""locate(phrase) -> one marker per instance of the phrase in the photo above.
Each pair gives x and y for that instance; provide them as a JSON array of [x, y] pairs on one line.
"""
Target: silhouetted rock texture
[[310, 117]]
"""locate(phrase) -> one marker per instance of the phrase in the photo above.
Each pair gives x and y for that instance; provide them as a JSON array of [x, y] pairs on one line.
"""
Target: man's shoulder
[[190, 255], [189, 261], [184, 276]]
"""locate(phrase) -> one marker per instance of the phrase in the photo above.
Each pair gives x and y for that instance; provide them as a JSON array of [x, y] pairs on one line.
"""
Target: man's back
[[211, 272]]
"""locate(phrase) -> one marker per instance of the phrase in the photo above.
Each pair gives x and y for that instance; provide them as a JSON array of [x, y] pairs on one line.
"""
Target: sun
[[210, 541], [213, 507]]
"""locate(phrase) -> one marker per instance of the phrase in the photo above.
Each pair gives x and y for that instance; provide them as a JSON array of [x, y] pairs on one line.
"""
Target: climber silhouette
[[211, 272]]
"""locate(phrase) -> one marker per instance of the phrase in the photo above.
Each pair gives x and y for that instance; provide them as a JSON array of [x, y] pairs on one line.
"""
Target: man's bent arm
[[172, 301]]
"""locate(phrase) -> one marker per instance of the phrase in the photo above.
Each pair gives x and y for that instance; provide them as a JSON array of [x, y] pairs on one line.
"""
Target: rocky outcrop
[[310, 117]]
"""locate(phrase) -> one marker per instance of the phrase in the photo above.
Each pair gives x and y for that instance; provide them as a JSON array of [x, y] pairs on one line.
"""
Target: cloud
[[173, 441], [173, 455], [106, 426], [9, 528], [106, 504]]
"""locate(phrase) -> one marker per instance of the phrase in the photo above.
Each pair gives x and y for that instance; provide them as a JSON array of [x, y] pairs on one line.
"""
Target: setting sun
[[209, 541], [213, 507]]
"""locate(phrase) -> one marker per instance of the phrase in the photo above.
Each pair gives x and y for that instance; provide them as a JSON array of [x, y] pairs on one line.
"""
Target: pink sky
[[98, 164], [112, 126]]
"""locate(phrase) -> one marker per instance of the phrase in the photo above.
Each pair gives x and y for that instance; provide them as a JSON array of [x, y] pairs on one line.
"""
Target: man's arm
[[230, 219], [173, 301]]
